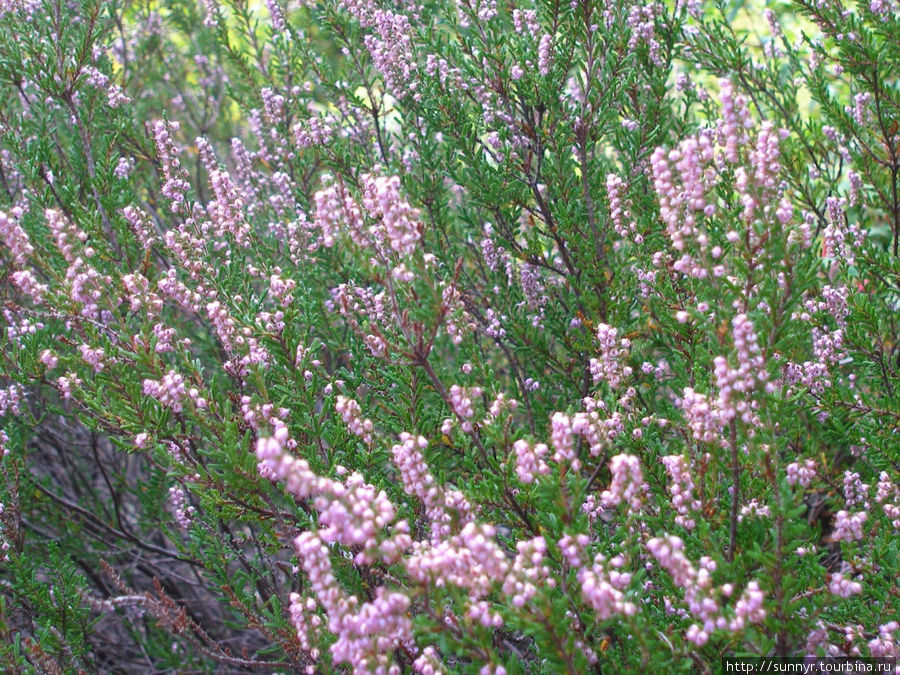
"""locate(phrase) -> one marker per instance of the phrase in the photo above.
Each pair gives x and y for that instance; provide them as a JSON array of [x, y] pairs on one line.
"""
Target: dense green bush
[[447, 337]]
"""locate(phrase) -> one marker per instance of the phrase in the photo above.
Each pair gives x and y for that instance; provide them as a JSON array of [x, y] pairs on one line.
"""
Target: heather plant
[[447, 337]]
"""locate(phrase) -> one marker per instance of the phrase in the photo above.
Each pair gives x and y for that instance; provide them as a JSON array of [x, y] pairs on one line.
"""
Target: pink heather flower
[[165, 338], [10, 398], [458, 322], [141, 225], [336, 210], [351, 413], [494, 328], [528, 572], [353, 513], [736, 384], [609, 366], [95, 78], [15, 238], [696, 635], [681, 184], [440, 505], [172, 391], [223, 323], [750, 364], [175, 185], [377, 345], [479, 612], [124, 167], [887, 490], [563, 440], [682, 490], [886, 487], [883, 7], [736, 121], [627, 483], [26, 7], [754, 509], [307, 622], [140, 296], [114, 95], [29, 285], [701, 597], [227, 210], [885, 644], [67, 383], [529, 460], [840, 238], [642, 22], [390, 46], [525, 22], [849, 527], [366, 637], [816, 637], [489, 250], [428, 663], [532, 287], [491, 669], [856, 186], [181, 510], [500, 404], [801, 474], [49, 359], [749, 608], [18, 326], [4, 542], [572, 548], [259, 414], [618, 207], [314, 131], [271, 322], [414, 472], [169, 391], [283, 201], [87, 287], [764, 161], [601, 587], [596, 430], [317, 564], [856, 493], [545, 54], [276, 14], [400, 222], [461, 403], [275, 464], [470, 560], [842, 587], [834, 302], [860, 111], [95, 357]]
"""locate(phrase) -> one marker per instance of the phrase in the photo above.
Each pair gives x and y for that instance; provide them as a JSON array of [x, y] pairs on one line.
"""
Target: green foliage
[[145, 528]]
